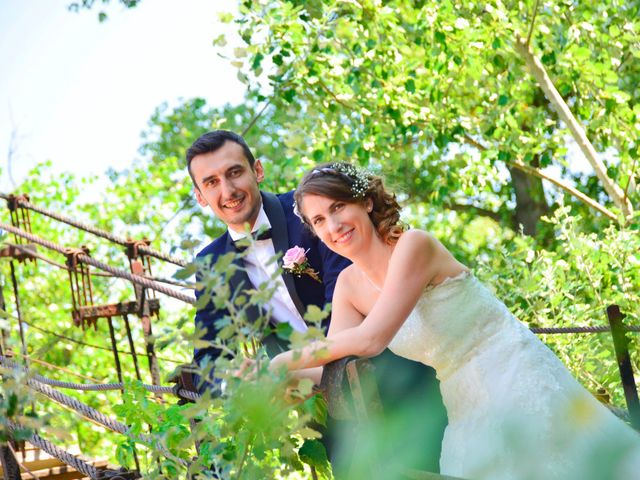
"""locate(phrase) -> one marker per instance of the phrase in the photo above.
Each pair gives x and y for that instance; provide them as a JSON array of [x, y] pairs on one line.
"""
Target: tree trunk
[[531, 203]]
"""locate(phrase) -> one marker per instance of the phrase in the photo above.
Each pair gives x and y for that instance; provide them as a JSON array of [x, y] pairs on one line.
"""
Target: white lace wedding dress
[[515, 411]]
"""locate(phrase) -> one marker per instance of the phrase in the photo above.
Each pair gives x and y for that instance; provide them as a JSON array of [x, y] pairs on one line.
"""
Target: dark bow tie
[[242, 243]]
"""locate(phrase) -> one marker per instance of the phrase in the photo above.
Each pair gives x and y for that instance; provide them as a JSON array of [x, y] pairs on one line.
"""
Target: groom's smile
[[233, 204]]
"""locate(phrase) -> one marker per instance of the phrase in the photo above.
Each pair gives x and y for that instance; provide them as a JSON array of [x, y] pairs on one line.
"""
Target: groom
[[226, 177]]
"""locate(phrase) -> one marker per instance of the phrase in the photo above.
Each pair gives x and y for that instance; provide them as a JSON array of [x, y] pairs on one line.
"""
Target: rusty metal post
[[114, 348], [19, 215], [80, 283], [10, 467], [3, 333], [137, 268], [621, 345], [132, 346], [18, 312]]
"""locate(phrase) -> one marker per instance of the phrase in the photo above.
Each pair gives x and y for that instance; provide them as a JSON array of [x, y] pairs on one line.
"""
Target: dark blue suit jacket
[[287, 231]]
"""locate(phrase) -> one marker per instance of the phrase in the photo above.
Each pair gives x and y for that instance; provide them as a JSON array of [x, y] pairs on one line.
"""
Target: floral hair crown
[[358, 178]]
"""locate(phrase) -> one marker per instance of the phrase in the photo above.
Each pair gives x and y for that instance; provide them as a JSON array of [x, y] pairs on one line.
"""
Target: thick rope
[[82, 257], [60, 454], [84, 410], [51, 366], [96, 387], [600, 329], [99, 418], [91, 229]]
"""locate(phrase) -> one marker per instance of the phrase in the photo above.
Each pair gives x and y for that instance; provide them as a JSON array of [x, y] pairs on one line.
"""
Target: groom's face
[[226, 183]]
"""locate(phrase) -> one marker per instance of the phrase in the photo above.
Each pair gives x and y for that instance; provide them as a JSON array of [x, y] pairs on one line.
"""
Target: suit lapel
[[239, 278], [280, 237]]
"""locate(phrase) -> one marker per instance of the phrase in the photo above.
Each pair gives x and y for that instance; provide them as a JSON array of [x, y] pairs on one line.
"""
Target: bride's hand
[[276, 363], [248, 369]]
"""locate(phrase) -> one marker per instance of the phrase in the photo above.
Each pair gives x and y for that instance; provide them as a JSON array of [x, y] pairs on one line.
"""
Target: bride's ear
[[369, 204]]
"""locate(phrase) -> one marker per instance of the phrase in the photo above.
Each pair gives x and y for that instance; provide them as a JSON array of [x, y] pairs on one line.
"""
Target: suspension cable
[[62, 266], [98, 347], [97, 417], [96, 387], [25, 249], [51, 366], [22, 202], [597, 329], [60, 454], [82, 257]]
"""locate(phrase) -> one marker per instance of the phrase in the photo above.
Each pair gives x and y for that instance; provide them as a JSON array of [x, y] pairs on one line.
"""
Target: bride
[[515, 412]]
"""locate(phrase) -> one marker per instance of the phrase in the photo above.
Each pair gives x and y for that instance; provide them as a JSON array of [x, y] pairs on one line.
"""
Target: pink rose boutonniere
[[295, 261]]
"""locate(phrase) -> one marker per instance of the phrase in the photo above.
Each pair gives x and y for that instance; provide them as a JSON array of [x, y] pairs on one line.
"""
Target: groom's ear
[[201, 201], [259, 171]]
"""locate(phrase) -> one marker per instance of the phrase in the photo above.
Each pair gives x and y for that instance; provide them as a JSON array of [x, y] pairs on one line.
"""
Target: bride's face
[[342, 226]]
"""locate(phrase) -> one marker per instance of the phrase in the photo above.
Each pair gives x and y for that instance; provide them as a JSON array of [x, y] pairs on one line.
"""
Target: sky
[[79, 92]]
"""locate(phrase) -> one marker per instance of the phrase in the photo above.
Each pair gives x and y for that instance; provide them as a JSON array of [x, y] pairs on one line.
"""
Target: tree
[[443, 94]]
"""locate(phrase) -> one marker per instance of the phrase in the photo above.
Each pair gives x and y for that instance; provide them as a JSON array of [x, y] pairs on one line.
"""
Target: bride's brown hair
[[345, 182]]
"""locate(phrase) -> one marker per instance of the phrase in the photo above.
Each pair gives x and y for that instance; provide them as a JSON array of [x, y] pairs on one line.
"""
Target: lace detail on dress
[[509, 399], [460, 276]]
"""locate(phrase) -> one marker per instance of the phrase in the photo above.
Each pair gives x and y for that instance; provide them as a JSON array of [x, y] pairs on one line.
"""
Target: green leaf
[[410, 85], [313, 453], [314, 314], [284, 330], [187, 272]]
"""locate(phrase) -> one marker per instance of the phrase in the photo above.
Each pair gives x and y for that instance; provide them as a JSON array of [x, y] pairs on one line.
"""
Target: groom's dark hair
[[212, 141]]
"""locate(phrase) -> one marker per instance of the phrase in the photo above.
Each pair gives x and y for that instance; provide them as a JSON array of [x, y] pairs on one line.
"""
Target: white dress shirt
[[260, 270]]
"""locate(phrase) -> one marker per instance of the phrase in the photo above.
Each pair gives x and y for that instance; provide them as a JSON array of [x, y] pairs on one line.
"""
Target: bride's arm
[[343, 316], [416, 260], [314, 374]]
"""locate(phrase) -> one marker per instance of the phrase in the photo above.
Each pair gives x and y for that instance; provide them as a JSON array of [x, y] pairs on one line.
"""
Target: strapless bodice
[[451, 323]]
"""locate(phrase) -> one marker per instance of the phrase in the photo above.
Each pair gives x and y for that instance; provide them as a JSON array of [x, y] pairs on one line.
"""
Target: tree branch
[[538, 71], [256, 117], [568, 188], [559, 183], [631, 177], [328, 91], [533, 22], [458, 207]]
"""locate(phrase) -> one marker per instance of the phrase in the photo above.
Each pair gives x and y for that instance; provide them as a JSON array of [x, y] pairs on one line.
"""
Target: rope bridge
[[85, 312]]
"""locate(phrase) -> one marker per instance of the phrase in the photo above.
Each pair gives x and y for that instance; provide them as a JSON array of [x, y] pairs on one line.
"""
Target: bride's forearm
[[352, 341], [314, 374], [308, 357]]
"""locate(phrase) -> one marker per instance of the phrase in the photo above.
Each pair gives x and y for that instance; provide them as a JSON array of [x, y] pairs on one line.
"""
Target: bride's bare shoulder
[[417, 239], [346, 277]]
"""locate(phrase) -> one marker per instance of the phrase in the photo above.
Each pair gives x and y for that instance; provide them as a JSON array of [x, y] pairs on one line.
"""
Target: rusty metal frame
[[20, 217]]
